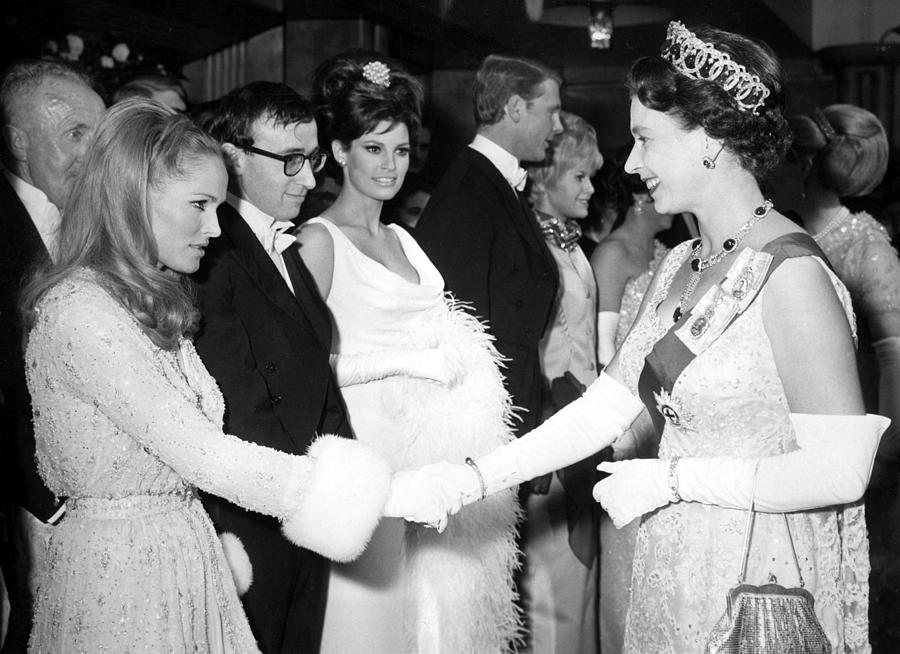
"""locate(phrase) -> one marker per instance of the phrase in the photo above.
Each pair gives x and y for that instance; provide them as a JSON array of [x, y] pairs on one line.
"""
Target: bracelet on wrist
[[471, 463], [674, 495]]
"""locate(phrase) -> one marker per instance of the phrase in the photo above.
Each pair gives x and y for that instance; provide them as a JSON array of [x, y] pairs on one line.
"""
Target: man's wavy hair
[[501, 77], [759, 141], [139, 146]]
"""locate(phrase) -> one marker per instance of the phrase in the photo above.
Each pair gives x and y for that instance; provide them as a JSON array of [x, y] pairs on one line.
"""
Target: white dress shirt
[[506, 163], [44, 214], [270, 232]]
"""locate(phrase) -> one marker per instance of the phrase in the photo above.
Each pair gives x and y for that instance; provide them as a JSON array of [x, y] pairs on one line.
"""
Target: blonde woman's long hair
[[139, 146]]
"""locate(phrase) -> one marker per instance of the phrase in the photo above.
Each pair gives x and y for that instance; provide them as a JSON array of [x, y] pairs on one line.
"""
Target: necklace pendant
[[676, 316]]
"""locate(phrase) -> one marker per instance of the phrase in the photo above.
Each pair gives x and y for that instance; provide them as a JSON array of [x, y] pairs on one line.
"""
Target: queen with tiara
[[743, 354], [421, 381]]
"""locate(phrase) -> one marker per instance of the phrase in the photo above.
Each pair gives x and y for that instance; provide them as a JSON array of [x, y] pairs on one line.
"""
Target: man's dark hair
[[231, 120]]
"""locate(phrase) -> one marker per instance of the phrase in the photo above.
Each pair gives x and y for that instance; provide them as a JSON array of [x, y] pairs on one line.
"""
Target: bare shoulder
[[314, 236], [317, 252], [811, 338]]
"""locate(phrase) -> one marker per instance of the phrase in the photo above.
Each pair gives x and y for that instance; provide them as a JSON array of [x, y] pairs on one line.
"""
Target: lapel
[[250, 255], [307, 294], [517, 209]]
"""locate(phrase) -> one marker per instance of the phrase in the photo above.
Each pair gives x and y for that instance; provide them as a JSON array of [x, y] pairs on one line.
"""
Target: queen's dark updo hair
[[760, 140], [348, 105], [847, 147]]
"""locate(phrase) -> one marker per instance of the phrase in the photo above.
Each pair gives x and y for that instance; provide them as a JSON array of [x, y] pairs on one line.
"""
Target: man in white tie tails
[[479, 232], [265, 336], [49, 115], [484, 238]]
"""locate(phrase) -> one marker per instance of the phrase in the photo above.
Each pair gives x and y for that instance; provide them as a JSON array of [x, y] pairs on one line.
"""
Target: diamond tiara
[[700, 60], [377, 73]]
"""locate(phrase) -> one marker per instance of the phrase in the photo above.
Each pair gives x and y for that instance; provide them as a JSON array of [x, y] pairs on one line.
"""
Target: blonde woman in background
[[624, 265], [560, 582]]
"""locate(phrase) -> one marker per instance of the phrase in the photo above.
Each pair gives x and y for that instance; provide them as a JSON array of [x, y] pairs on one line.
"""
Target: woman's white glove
[[575, 432], [887, 352], [439, 364], [634, 487], [426, 495], [831, 466]]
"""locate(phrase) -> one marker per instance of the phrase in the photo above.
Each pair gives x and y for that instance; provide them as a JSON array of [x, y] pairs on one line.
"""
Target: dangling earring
[[710, 164]]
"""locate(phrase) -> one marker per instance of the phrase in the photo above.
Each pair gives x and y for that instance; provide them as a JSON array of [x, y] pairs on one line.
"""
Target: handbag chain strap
[[748, 534]]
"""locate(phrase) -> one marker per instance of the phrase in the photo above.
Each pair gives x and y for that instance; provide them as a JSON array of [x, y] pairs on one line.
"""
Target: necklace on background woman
[[564, 234], [832, 223], [729, 245]]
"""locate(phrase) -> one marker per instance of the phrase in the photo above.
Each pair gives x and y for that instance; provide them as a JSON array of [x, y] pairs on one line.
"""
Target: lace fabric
[[126, 430], [731, 403]]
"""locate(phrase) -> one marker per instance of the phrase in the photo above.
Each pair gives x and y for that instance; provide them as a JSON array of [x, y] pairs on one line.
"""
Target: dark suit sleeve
[[457, 234]]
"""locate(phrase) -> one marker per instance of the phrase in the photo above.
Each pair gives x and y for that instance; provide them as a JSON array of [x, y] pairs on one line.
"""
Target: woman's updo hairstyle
[[760, 140], [846, 146], [352, 99]]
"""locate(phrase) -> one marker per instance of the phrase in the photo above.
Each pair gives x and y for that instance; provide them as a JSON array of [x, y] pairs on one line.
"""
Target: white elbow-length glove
[[831, 466], [577, 431], [887, 351], [439, 364]]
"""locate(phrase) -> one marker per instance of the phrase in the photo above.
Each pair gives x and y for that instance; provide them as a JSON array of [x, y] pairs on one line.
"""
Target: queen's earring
[[710, 164]]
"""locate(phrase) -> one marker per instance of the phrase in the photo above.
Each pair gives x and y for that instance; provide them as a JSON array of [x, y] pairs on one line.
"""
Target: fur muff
[[342, 501], [238, 561]]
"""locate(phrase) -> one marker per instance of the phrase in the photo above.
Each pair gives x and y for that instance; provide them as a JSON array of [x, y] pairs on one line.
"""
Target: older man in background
[[50, 112]]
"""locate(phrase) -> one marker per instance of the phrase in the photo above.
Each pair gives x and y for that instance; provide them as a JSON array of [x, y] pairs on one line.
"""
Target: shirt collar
[[260, 223], [506, 163], [44, 214]]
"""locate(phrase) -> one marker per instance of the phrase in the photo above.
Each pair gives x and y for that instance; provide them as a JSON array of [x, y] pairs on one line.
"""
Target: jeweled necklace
[[729, 245], [564, 234]]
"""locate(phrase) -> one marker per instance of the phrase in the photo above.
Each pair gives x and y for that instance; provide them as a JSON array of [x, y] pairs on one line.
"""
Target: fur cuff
[[342, 501], [238, 561]]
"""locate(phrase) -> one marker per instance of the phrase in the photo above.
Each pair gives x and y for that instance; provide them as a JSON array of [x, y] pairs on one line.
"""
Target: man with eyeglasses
[[265, 336]]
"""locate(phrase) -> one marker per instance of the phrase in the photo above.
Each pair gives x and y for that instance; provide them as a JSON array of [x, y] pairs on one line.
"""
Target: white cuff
[[342, 502]]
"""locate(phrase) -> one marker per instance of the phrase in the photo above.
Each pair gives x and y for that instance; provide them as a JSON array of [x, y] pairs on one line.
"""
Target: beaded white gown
[[414, 590], [126, 430], [729, 401]]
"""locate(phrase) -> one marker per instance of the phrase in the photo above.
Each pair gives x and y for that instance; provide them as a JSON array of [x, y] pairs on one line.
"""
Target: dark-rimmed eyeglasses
[[293, 163]]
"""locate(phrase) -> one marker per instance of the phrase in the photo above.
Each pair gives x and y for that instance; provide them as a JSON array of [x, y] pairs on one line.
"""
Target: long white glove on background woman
[[439, 364], [577, 431], [831, 466]]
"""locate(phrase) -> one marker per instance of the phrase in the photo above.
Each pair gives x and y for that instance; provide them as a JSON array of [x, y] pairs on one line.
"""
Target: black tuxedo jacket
[[268, 350], [487, 245], [21, 250]]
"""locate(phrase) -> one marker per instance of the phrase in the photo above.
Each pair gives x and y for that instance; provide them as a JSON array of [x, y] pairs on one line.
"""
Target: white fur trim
[[238, 561], [342, 502]]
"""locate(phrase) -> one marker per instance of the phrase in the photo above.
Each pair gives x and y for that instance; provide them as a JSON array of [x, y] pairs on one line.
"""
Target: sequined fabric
[[729, 402], [863, 258], [126, 431]]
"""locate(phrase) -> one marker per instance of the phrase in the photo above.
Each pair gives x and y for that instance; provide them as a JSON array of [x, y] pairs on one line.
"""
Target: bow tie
[[277, 241], [518, 179]]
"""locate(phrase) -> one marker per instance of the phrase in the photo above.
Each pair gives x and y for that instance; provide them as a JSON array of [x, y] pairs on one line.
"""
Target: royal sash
[[714, 313]]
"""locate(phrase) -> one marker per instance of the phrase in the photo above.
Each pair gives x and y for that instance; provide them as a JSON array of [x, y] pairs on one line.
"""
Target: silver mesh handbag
[[768, 618]]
